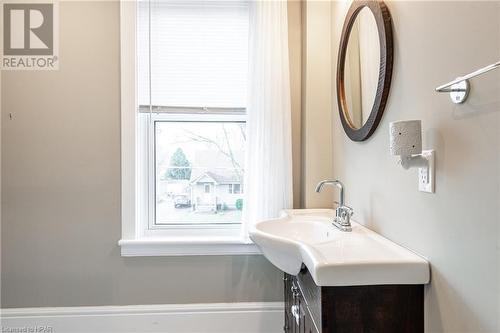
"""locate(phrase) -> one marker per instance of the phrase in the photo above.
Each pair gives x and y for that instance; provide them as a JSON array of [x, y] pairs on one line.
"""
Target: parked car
[[182, 200]]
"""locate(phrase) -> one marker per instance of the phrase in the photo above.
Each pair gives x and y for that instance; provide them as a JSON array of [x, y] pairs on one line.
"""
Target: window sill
[[147, 247]]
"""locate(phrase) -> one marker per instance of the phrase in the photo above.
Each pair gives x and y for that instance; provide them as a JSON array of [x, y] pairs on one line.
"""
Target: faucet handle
[[343, 215], [345, 211], [342, 219], [349, 212], [338, 204]]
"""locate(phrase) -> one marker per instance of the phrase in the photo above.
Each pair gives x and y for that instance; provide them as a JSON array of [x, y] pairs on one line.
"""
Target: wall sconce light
[[406, 141]]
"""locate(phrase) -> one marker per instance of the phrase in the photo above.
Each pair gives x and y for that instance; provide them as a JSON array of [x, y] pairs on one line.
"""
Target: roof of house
[[221, 177]]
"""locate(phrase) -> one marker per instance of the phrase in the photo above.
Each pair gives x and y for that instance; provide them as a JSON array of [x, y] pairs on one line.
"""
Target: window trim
[[135, 241]]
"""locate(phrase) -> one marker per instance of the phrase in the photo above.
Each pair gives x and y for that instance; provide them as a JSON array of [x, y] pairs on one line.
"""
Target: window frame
[[137, 237]]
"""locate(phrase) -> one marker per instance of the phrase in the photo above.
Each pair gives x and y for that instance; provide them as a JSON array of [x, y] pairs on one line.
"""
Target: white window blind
[[192, 53]]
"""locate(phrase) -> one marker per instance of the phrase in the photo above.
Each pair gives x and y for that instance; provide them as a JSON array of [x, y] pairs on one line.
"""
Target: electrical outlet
[[426, 175]]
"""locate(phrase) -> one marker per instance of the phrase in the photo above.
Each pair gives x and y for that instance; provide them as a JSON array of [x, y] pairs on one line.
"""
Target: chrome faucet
[[342, 219]]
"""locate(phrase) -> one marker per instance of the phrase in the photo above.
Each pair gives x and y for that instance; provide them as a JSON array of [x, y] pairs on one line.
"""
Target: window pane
[[196, 165], [199, 52]]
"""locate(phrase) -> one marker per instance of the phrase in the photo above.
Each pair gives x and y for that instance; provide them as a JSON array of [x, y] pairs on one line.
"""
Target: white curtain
[[268, 174]]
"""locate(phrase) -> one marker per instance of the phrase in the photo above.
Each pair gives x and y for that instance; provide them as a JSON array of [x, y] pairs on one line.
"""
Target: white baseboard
[[265, 317]]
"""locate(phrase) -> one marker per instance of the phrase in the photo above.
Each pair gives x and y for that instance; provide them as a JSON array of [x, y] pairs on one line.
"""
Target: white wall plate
[[426, 176]]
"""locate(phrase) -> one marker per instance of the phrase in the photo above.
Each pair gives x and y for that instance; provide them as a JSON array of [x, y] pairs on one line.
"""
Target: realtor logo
[[29, 36]]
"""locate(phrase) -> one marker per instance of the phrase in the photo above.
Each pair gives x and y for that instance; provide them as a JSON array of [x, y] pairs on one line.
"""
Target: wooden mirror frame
[[384, 27]]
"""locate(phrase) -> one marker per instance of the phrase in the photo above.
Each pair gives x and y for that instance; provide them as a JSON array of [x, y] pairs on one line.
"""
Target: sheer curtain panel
[[268, 176]]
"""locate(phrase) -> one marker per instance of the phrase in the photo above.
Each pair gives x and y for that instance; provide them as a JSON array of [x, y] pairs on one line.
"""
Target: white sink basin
[[333, 257]]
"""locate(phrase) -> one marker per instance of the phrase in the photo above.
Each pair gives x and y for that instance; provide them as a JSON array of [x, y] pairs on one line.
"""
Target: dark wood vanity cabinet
[[352, 309]]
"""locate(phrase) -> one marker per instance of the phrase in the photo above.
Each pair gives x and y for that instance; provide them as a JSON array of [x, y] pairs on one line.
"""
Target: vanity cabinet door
[[311, 294], [297, 314], [292, 305], [286, 294], [287, 280]]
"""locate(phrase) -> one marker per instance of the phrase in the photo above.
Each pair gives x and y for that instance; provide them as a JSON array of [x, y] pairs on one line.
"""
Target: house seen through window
[[192, 86]]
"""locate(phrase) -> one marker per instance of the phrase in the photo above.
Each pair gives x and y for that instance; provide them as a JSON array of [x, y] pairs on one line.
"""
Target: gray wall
[[61, 189], [457, 227], [317, 143]]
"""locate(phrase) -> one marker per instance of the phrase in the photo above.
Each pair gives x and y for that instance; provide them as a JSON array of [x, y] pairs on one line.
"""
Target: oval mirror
[[364, 68]]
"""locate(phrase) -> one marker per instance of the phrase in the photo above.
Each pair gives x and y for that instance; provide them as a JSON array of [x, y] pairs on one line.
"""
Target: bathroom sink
[[334, 257]]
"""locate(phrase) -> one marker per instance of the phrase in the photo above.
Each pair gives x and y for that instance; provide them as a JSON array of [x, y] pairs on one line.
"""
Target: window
[[235, 188], [193, 95], [190, 112]]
